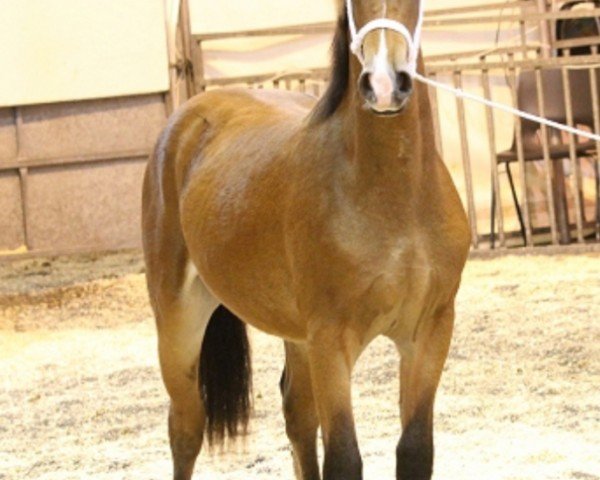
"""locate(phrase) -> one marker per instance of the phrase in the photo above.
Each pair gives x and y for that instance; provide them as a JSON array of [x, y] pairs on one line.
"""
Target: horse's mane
[[340, 73]]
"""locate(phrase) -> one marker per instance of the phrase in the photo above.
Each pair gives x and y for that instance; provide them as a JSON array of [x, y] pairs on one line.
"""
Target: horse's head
[[385, 38]]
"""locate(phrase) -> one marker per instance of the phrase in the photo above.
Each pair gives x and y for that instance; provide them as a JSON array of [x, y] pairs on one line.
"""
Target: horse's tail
[[225, 377]]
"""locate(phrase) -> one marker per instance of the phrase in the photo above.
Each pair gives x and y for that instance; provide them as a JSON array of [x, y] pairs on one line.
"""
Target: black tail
[[225, 376]]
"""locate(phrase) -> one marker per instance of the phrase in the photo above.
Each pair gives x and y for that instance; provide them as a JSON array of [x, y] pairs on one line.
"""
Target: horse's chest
[[400, 278], [395, 284]]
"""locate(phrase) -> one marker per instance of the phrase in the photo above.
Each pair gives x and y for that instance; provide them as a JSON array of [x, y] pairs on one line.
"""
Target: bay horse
[[326, 224]]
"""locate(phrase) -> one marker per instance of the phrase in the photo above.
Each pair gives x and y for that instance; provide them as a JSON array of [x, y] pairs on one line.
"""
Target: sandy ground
[[81, 395]]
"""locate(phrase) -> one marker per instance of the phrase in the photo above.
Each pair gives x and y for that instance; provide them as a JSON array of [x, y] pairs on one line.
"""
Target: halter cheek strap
[[413, 41]]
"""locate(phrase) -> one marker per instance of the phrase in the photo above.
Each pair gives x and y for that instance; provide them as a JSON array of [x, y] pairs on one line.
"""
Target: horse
[[324, 222]]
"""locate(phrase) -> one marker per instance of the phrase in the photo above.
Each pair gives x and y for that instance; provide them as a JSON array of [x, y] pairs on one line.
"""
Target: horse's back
[[230, 126], [235, 109]]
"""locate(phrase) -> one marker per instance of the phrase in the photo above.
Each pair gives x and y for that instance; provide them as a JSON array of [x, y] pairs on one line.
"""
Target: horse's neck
[[386, 153]]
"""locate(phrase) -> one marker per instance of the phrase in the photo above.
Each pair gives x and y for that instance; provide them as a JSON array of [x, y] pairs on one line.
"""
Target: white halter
[[413, 41]]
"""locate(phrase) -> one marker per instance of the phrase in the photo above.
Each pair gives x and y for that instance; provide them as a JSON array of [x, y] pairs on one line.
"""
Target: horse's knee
[[415, 452]]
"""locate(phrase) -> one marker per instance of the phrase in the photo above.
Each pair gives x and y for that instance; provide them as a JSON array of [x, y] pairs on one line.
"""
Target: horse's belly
[[254, 288], [247, 272], [267, 307]]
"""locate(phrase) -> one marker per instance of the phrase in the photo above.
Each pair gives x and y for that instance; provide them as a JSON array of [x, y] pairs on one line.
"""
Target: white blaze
[[381, 80]]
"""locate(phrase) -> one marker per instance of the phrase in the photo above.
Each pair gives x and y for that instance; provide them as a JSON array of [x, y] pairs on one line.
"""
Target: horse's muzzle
[[386, 93]]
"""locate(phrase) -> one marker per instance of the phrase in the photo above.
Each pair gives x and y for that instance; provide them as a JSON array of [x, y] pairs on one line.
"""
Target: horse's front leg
[[331, 359], [421, 368], [301, 420]]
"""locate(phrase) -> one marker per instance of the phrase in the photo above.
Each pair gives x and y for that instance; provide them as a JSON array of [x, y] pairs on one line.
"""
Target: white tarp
[[57, 50]]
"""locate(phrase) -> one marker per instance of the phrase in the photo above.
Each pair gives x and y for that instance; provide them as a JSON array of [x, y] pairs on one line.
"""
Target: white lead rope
[[505, 108]]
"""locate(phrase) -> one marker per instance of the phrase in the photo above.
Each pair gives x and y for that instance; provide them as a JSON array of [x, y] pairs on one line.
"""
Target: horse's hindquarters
[[232, 203]]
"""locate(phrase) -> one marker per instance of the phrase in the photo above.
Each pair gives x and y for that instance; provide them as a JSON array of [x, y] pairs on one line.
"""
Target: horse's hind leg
[[420, 373], [301, 418], [181, 326]]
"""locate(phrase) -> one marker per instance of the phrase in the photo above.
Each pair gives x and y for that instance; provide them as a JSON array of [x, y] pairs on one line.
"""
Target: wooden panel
[[11, 219], [8, 136], [97, 206], [97, 126]]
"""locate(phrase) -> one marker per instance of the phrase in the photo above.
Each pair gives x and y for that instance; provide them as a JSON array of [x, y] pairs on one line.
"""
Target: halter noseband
[[413, 41]]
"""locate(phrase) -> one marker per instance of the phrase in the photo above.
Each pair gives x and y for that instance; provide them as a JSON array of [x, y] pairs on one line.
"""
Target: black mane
[[340, 73]]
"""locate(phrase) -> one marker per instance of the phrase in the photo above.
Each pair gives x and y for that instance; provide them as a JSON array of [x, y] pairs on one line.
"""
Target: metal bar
[[169, 95], [302, 85], [530, 63], [316, 89], [485, 83], [546, 153], [545, 32], [523, 36], [532, 17], [74, 160], [471, 210], [573, 155], [188, 46], [23, 183], [596, 110], [521, 160], [168, 103], [573, 249], [478, 8], [9, 257], [531, 46], [200, 83], [562, 212], [435, 111], [578, 42]]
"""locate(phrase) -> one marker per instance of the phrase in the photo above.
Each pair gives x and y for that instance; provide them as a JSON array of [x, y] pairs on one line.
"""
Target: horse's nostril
[[365, 87], [404, 83]]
